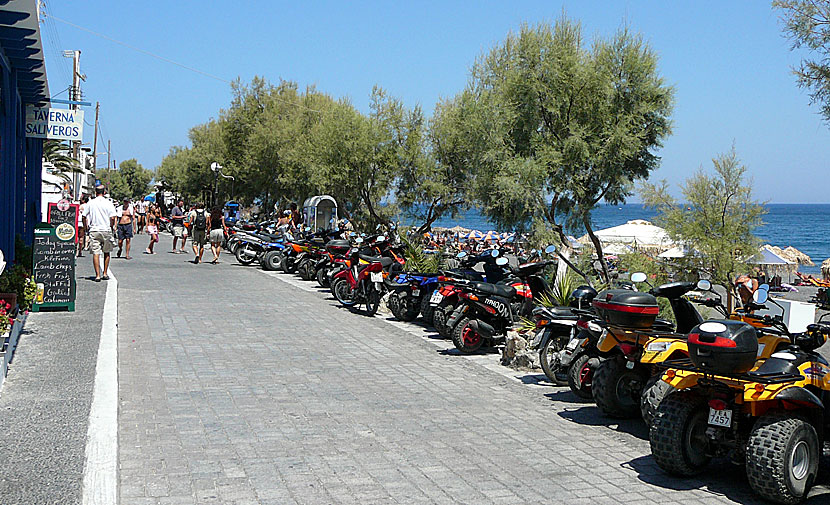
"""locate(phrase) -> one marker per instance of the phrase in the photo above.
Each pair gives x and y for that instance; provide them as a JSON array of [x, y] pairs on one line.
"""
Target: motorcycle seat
[[377, 259], [495, 289], [273, 237]]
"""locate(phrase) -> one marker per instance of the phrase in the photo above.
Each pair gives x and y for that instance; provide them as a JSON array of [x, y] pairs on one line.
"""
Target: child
[[153, 231]]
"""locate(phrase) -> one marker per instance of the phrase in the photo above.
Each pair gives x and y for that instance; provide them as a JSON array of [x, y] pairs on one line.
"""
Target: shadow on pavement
[[591, 416], [721, 478], [567, 396]]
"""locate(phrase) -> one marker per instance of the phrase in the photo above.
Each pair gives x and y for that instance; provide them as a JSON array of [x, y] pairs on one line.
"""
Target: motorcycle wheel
[[427, 309], [580, 376], [343, 292], [273, 260], [465, 339], [242, 257], [372, 299], [305, 270], [549, 359], [323, 277], [439, 320], [617, 388], [402, 308], [288, 265]]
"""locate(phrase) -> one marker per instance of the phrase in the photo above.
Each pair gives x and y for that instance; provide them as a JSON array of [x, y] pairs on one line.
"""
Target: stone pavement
[[45, 402], [237, 387]]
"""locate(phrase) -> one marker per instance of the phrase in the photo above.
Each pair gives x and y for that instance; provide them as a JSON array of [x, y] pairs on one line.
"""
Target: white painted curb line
[[100, 486]]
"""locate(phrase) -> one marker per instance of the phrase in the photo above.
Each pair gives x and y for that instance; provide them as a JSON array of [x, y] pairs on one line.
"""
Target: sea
[[803, 226]]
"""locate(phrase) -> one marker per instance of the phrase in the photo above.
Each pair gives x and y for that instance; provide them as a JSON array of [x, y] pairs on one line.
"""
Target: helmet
[[286, 213], [582, 297]]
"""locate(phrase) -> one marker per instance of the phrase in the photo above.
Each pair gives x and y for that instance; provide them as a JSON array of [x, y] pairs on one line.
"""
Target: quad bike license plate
[[416, 292], [720, 417], [436, 298], [377, 277], [572, 344]]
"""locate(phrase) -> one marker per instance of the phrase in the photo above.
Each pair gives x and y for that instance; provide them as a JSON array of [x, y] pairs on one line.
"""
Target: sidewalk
[[45, 402]]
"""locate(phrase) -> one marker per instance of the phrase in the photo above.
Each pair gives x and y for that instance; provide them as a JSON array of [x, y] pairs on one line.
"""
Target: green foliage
[[419, 261], [563, 287], [17, 280], [807, 24], [555, 127], [131, 180], [23, 253], [715, 220]]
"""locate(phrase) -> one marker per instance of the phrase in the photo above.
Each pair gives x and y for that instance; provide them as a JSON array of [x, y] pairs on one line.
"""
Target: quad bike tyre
[[242, 258], [617, 388], [581, 375], [402, 308], [654, 392], [465, 339], [553, 371], [343, 292], [288, 265], [678, 434], [782, 457], [427, 309]]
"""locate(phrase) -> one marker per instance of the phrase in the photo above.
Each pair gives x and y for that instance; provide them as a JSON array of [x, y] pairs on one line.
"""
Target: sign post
[[64, 212], [53, 264]]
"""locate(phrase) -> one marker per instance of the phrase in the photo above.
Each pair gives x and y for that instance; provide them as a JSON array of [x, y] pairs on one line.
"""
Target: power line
[[134, 48], [168, 60]]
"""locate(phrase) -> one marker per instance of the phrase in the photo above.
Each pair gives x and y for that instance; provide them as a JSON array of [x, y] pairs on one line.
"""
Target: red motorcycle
[[361, 283]]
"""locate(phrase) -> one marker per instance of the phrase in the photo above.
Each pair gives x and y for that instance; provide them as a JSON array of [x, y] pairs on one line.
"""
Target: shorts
[[125, 231], [217, 236], [199, 237], [101, 242], [178, 230]]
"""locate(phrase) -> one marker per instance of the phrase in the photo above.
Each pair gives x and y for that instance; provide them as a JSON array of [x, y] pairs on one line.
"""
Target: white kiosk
[[320, 212]]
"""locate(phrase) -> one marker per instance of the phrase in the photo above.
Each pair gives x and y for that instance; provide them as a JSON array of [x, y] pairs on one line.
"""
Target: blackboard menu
[[69, 214], [54, 266]]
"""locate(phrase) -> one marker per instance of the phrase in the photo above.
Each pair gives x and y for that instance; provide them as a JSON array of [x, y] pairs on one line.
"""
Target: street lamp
[[217, 171]]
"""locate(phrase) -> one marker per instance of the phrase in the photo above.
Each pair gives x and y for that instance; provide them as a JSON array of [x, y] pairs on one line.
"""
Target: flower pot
[[10, 298]]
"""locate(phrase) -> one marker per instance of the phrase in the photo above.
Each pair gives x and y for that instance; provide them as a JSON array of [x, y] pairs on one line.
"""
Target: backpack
[[201, 220]]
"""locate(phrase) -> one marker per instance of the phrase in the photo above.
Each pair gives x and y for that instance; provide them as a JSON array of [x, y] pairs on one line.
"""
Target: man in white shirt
[[99, 218]]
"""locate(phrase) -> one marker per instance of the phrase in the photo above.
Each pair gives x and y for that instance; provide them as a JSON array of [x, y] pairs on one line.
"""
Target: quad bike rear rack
[[763, 378]]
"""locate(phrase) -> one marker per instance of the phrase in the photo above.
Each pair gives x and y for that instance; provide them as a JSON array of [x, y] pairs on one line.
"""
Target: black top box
[[626, 308]]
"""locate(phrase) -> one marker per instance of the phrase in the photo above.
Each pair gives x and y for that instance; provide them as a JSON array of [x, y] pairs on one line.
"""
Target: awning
[[20, 40]]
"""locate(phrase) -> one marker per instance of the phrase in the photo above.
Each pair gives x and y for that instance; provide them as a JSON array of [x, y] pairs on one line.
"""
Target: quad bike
[[772, 415]]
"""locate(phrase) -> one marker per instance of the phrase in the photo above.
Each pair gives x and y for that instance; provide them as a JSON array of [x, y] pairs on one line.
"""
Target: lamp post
[[217, 171]]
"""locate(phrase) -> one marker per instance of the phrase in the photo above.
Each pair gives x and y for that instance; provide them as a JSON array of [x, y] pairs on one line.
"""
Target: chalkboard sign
[[69, 214], [54, 267]]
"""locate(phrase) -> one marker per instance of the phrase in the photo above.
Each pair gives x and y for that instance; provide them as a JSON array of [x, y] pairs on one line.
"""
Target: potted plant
[[6, 319]]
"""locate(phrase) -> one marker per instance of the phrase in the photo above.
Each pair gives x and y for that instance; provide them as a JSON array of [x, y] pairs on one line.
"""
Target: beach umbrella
[[150, 198], [474, 235], [799, 256], [637, 233], [674, 252], [460, 229], [768, 257], [492, 235]]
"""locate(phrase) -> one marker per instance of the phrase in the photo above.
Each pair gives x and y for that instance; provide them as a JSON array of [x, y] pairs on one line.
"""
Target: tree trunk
[[598, 247]]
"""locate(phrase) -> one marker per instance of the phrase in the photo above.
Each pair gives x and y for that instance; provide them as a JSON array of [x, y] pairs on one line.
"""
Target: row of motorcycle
[[739, 386]]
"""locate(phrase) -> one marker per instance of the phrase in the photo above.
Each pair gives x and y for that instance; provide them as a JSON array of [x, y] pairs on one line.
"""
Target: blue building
[[22, 82]]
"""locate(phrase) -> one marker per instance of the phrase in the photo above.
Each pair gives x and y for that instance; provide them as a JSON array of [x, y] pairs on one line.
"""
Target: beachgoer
[[126, 226], [199, 221], [218, 228], [296, 217], [81, 228], [153, 231], [746, 288], [99, 217], [141, 210], [177, 219], [284, 222]]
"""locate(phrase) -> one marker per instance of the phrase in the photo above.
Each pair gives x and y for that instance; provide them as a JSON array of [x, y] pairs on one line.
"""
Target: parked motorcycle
[[362, 283]]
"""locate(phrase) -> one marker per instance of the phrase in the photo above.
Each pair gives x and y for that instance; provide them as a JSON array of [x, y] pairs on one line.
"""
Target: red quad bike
[[487, 311], [361, 283]]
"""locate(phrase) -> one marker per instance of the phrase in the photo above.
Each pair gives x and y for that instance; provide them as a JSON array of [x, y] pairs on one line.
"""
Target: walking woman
[[217, 232]]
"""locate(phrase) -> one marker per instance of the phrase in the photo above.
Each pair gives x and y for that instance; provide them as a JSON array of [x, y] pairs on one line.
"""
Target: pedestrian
[[126, 226], [100, 217], [199, 221], [284, 222], [81, 228], [296, 217], [153, 231], [177, 220], [141, 210], [218, 229]]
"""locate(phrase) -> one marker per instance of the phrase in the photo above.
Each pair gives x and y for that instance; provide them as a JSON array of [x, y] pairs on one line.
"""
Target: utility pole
[[109, 153], [75, 95], [95, 140]]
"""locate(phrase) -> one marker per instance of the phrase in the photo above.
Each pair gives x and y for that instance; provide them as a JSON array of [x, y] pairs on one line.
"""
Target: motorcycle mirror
[[550, 249], [704, 285], [765, 287], [638, 277], [358, 240], [597, 265], [760, 296], [501, 261], [462, 254], [381, 238], [494, 252]]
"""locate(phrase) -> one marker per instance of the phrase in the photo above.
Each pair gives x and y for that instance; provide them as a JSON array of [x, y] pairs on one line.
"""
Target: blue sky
[[728, 61]]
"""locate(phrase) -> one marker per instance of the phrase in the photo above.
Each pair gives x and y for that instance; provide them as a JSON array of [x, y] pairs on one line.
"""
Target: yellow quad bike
[[772, 414], [662, 350]]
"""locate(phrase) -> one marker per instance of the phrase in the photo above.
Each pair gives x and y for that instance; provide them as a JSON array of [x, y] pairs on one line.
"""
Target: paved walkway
[[45, 402], [238, 387]]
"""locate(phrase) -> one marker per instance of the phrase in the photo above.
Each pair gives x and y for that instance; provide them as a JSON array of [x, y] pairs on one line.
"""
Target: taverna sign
[[49, 123]]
